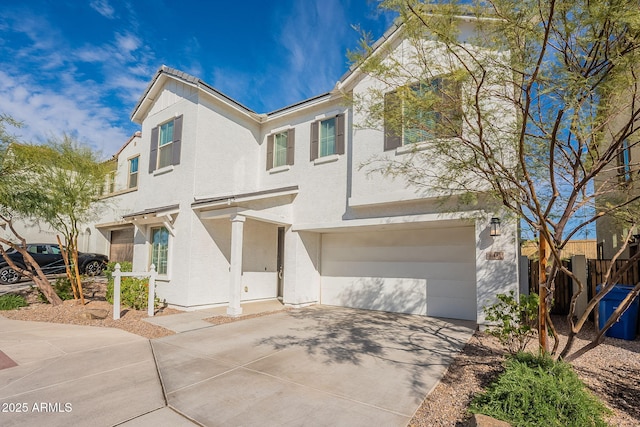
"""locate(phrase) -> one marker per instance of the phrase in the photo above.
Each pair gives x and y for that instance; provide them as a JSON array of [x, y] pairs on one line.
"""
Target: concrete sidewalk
[[75, 375], [315, 366]]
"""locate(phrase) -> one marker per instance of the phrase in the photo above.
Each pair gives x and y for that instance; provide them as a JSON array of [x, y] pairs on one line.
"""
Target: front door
[[280, 262]]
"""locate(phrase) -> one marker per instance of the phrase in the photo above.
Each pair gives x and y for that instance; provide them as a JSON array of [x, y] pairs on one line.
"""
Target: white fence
[[117, 279]]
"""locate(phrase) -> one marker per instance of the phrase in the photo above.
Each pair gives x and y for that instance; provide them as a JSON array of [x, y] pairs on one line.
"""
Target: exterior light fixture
[[495, 227]]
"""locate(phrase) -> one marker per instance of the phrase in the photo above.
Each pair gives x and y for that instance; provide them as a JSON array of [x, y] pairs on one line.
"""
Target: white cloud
[[127, 42], [103, 8], [46, 114], [313, 36]]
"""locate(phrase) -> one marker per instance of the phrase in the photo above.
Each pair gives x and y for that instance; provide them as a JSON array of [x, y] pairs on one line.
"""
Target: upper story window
[[133, 172], [422, 111], [165, 149], [624, 162], [280, 148], [327, 136], [110, 183], [166, 143]]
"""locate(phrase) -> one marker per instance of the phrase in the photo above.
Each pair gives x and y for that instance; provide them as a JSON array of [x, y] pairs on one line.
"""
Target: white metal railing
[[117, 279]]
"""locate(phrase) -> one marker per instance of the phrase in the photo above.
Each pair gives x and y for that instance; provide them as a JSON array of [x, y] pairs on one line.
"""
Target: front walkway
[[191, 320]]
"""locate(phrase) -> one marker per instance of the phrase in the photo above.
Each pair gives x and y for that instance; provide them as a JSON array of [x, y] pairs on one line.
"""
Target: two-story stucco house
[[231, 205]]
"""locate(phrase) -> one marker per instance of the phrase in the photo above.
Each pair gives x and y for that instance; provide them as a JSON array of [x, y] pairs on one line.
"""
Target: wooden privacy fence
[[564, 287], [596, 269]]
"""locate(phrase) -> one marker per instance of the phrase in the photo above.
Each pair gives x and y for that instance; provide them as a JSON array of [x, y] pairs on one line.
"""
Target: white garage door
[[424, 271]]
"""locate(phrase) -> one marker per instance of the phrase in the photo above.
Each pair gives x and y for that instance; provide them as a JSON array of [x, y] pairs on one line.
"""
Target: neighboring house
[[610, 233], [231, 205]]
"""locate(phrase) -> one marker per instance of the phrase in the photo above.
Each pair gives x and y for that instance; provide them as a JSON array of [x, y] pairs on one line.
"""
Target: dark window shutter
[[291, 144], [340, 134], [315, 136], [269, 152], [153, 154], [392, 139], [177, 140]]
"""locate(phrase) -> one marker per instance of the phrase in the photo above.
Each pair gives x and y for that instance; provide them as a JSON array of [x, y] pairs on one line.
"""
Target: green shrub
[[134, 291], [513, 323], [62, 287], [11, 302], [538, 391], [111, 266]]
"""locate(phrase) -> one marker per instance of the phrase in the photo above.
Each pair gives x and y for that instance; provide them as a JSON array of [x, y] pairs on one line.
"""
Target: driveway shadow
[[418, 347]]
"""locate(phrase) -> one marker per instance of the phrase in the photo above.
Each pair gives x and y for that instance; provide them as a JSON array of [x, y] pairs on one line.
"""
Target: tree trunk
[[542, 288]]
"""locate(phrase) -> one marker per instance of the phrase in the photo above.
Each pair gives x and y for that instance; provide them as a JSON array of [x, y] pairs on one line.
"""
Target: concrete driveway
[[319, 366], [315, 366]]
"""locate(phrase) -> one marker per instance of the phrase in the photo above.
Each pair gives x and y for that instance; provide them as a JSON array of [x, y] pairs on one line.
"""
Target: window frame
[[624, 163], [130, 173], [174, 146], [152, 250], [396, 103], [165, 147], [289, 152], [339, 136]]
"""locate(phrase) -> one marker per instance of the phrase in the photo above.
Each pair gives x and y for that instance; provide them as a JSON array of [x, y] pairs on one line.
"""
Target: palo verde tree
[[68, 178], [529, 104], [18, 201]]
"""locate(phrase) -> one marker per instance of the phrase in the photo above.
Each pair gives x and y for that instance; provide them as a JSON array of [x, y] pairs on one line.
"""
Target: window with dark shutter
[[280, 148], [177, 140], [340, 134], [315, 127], [421, 111], [269, 152], [392, 106], [291, 144], [328, 137], [153, 155], [166, 144]]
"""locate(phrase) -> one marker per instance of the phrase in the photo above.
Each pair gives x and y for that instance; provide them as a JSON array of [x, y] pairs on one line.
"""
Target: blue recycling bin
[[625, 328]]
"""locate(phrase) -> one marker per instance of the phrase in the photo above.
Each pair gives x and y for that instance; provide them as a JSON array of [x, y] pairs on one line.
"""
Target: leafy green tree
[[18, 201], [74, 177], [524, 104]]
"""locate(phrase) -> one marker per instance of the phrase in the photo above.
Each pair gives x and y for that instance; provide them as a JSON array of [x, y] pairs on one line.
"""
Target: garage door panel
[[452, 288], [419, 271], [404, 253], [453, 308], [411, 237], [424, 270], [401, 295]]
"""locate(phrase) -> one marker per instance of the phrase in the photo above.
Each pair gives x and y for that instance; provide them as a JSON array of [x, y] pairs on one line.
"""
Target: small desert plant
[[62, 287], [11, 302], [538, 391], [513, 322]]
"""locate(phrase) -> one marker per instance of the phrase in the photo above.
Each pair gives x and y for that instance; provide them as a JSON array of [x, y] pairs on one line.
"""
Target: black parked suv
[[49, 258]]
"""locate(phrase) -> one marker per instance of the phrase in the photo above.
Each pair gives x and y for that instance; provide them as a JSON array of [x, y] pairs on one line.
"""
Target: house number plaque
[[495, 256]]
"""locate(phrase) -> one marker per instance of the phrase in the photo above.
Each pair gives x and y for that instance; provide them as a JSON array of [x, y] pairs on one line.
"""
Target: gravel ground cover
[[611, 371]]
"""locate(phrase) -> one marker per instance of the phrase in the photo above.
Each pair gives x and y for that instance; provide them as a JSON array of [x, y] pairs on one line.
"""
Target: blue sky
[[80, 66]]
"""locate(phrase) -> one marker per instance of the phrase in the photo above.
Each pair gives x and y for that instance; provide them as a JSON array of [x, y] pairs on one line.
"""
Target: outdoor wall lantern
[[495, 227]]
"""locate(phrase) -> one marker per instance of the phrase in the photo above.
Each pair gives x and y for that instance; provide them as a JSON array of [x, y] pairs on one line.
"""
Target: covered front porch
[[255, 244]]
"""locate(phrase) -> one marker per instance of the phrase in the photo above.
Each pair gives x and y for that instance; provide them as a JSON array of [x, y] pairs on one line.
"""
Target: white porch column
[[235, 280]]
